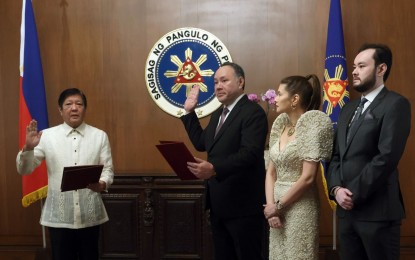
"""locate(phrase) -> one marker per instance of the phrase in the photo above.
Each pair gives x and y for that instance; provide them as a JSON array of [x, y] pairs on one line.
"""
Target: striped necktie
[[356, 117], [222, 119]]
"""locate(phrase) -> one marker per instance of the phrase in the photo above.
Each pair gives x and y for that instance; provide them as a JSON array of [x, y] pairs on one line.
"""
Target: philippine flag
[[32, 103]]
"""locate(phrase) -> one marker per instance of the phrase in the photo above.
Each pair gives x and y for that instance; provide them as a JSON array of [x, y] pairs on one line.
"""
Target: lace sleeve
[[277, 128], [314, 136]]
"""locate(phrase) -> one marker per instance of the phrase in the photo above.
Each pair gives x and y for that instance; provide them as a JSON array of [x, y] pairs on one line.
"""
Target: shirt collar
[[231, 106], [80, 129], [372, 95]]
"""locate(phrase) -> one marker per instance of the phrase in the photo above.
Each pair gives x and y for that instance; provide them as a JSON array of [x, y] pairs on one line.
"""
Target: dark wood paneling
[[179, 225], [155, 218], [101, 47], [120, 236]]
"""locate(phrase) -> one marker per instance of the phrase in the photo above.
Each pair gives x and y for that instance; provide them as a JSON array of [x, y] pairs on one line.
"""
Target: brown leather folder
[[78, 177], [177, 155]]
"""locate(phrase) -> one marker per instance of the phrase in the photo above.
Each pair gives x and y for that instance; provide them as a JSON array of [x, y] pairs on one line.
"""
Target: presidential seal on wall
[[180, 59]]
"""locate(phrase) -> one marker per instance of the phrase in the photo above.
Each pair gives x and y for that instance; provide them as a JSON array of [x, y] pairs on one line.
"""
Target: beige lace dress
[[299, 237]]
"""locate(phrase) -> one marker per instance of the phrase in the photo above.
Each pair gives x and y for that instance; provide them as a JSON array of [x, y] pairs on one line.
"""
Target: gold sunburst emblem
[[335, 89], [188, 72]]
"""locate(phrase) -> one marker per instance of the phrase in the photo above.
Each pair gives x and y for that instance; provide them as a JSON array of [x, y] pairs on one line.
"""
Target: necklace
[[291, 131]]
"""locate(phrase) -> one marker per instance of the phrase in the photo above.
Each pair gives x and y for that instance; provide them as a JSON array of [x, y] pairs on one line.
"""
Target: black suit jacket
[[367, 166], [237, 154]]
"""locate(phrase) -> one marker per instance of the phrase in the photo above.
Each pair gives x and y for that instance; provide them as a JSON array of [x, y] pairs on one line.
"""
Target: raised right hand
[[191, 101], [32, 136]]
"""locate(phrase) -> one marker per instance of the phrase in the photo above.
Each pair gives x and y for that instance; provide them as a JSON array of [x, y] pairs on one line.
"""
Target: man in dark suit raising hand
[[234, 140], [362, 177]]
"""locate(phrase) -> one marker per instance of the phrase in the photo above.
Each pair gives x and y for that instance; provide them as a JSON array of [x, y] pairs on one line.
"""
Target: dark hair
[[309, 92], [239, 72], [383, 54], [71, 92]]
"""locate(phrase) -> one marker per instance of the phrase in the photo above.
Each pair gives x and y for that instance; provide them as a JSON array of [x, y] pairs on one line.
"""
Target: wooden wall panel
[[124, 226], [155, 218], [101, 46], [179, 225]]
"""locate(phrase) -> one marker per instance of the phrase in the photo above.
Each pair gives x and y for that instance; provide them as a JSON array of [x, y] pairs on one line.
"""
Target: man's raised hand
[[32, 136], [191, 101]]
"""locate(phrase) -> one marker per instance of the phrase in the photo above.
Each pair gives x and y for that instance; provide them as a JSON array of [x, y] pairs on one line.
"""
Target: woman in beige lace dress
[[300, 138]]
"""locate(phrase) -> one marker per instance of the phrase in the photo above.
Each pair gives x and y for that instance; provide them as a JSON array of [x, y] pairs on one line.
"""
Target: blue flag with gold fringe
[[336, 91]]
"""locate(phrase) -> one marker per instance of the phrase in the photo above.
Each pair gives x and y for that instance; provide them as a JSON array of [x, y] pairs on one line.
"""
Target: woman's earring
[[293, 106]]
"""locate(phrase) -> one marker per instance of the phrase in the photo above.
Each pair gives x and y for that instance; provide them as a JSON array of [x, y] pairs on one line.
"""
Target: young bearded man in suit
[[363, 177], [235, 169]]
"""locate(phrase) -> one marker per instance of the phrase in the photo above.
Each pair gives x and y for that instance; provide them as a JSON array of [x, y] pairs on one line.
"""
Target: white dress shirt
[[64, 146], [230, 107], [371, 96]]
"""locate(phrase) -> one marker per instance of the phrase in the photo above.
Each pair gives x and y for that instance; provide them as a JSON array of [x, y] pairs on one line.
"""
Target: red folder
[[78, 177], [177, 155]]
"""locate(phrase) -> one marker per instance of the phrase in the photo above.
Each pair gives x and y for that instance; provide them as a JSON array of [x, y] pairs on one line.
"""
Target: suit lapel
[[232, 115], [378, 99], [344, 124], [210, 135]]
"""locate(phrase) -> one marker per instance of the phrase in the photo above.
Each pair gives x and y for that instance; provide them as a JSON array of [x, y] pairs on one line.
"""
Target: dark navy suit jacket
[[237, 154], [367, 165]]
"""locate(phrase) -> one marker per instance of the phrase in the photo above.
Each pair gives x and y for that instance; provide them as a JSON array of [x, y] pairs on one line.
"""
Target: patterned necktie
[[222, 119], [356, 117]]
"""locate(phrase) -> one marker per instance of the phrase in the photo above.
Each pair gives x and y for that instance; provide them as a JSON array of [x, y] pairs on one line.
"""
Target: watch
[[279, 205]]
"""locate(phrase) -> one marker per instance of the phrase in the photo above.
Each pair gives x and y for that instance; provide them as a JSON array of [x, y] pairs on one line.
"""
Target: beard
[[366, 85]]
